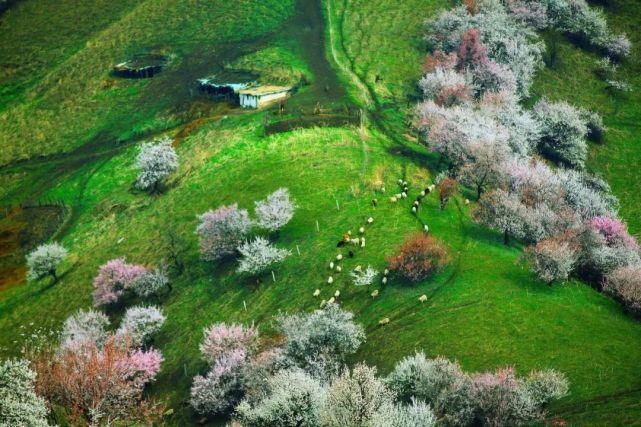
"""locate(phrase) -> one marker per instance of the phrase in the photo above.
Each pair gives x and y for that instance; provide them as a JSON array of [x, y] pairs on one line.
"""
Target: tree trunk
[[54, 275], [506, 238], [479, 191]]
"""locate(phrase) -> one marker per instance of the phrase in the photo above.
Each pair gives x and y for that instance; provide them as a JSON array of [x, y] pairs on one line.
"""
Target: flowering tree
[[320, 341], [44, 260], [222, 231], [563, 132], [84, 328], [276, 210], [364, 277], [612, 230], [355, 398], [419, 257], [151, 283], [624, 284], [259, 255], [446, 189], [100, 385], [221, 339], [155, 162], [416, 414], [140, 323], [19, 403], [295, 399], [472, 52], [485, 165], [114, 278], [503, 212], [553, 259]]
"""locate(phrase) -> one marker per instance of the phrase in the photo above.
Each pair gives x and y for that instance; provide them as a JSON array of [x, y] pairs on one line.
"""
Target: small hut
[[141, 66], [225, 88], [262, 95]]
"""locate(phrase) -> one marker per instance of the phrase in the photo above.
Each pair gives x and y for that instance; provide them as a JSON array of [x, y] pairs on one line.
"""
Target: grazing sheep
[[330, 280], [417, 203], [358, 268], [404, 183], [370, 220], [362, 242], [384, 321], [385, 272], [331, 265], [374, 294], [339, 269], [400, 182], [374, 202], [339, 257], [355, 241], [337, 294], [426, 228], [422, 298], [404, 195], [423, 193], [431, 187], [361, 230], [393, 199], [317, 292], [384, 280], [413, 209], [332, 300], [323, 303], [467, 201], [382, 189]]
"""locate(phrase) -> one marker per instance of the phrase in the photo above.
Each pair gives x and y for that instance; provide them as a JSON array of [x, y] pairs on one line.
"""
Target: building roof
[[265, 90]]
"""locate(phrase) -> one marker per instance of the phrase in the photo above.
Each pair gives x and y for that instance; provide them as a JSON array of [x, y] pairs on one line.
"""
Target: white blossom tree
[[222, 231], [83, 329], [258, 255], [140, 323], [364, 277], [44, 260], [276, 210], [155, 162], [19, 403]]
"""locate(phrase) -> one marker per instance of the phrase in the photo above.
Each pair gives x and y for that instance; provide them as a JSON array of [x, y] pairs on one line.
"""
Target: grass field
[[485, 309]]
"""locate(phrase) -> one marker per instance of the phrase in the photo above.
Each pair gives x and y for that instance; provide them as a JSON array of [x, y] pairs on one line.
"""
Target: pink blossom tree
[[113, 280], [221, 231]]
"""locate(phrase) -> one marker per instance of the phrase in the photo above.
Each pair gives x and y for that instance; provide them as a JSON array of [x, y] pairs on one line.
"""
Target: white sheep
[[331, 265], [330, 280], [332, 300], [361, 230], [431, 187], [339, 257], [362, 242], [400, 181], [374, 294], [393, 199], [317, 292], [339, 269], [404, 195], [358, 268], [467, 201], [355, 241], [384, 280], [422, 298], [323, 303], [383, 321], [404, 183], [370, 220], [398, 195], [426, 228], [337, 294], [423, 193], [413, 209], [385, 272]]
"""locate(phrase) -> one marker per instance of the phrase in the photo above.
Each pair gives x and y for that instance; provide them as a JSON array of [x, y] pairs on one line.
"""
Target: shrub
[[100, 385], [596, 128], [259, 255], [276, 210], [320, 341], [446, 87], [416, 414], [624, 284], [418, 258], [530, 13], [44, 260], [613, 230], [222, 231], [545, 386], [503, 212], [364, 277], [155, 162], [618, 46], [446, 189], [151, 283], [472, 52], [563, 132], [355, 398], [485, 165], [439, 383], [439, 59], [140, 323], [19, 403], [84, 328], [294, 399], [114, 279], [221, 339], [553, 259], [223, 386]]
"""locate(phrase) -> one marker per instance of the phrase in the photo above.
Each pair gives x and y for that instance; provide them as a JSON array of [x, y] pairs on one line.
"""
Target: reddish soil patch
[[21, 229]]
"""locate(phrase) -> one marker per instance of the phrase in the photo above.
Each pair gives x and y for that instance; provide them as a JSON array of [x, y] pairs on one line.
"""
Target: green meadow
[[70, 132]]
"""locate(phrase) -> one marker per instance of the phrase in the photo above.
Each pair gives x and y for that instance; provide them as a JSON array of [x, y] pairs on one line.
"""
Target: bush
[[439, 383], [446, 189], [553, 259], [294, 399], [355, 398], [276, 210], [84, 328], [416, 414], [114, 279], [563, 132], [545, 386], [222, 231], [259, 255], [44, 260], [151, 283], [418, 258], [624, 284], [320, 341], [221, 339], [364, 277], [446, 87], [155, 162], [19, 403], [140, 323], [100, 385]]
